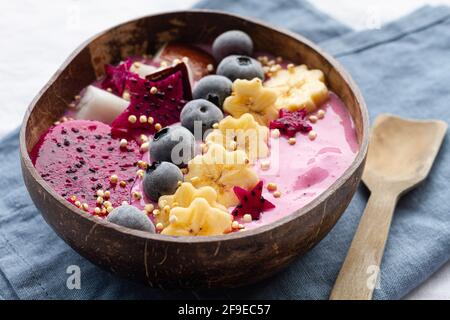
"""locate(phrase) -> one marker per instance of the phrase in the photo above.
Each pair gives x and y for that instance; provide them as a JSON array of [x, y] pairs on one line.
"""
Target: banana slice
[[298, 88], [251, 97], [243, 134], [183, 197], [199, 219], [222, 170]]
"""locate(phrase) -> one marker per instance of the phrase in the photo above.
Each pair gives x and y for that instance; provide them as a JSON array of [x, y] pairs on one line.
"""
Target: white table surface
[[38, 35]]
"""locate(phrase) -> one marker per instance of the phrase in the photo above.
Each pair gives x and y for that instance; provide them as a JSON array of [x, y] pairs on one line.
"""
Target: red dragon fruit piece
[[77, 158], [289, 123], [161, 96], [117, 76], [251, 202]]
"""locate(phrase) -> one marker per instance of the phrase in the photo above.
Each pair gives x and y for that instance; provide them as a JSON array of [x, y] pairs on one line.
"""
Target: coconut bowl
[[231, 260]]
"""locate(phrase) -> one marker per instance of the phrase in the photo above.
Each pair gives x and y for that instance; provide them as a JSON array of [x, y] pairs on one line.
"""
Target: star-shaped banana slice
[[183, 197], [249, 96], [242, 133], [298, 88], [199, 219], [222, 170]]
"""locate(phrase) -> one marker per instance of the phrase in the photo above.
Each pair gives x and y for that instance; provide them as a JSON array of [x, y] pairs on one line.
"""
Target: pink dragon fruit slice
[[289, 123], [251, 202], [117, 76], [160, 97], [77, 158]]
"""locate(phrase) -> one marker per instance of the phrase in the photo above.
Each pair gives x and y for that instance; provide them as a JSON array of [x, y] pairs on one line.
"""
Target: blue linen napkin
[[402, 68]]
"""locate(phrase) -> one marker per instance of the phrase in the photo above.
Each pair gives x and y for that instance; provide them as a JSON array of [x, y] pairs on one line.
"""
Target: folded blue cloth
[[401, 69]]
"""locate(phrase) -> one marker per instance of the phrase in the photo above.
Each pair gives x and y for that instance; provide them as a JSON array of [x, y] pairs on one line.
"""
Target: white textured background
[[38, 35]]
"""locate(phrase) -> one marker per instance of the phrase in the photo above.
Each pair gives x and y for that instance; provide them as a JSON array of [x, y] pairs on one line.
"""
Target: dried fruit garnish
[[289, 123], [251, 202], [197, 59]]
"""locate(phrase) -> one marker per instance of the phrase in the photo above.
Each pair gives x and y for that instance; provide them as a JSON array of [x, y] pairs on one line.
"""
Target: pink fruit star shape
[[289, 123], [251, 202]]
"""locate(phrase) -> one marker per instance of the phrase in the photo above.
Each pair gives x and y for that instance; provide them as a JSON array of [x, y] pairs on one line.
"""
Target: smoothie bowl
[[195, 155]]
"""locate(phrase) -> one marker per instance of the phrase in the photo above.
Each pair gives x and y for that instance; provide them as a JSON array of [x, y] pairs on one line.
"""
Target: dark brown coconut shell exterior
[[189, 262]]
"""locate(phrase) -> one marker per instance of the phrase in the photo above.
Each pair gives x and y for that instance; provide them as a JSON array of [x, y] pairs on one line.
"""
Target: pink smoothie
[[305, 170]]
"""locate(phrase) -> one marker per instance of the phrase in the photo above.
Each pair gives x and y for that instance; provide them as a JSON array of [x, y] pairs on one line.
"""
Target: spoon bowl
[[402, 151]]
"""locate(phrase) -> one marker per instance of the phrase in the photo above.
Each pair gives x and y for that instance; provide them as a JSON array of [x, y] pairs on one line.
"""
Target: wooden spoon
[[401, 153]]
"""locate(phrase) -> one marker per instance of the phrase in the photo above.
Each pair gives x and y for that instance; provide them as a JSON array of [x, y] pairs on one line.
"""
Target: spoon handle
[[359, 274]]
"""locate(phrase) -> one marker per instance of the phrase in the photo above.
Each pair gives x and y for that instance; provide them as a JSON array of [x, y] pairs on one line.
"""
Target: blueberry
[[161, 179], [240, 67], [173, 144], [213, 88], [131, 217], [200, 113], [232, 42]]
